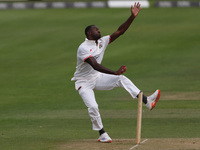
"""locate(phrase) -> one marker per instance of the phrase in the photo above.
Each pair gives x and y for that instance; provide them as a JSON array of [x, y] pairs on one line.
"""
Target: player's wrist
[[133, 16], [116, 73]]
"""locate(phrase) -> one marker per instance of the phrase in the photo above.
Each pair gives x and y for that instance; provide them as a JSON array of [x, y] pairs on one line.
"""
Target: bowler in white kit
[[90, 75]]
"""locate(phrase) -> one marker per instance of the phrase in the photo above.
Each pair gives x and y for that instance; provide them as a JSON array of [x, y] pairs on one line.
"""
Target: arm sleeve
[[84, 53], [106, 39]]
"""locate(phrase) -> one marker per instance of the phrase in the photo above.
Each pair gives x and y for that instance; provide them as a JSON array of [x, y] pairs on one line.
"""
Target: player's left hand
[[136, 9]]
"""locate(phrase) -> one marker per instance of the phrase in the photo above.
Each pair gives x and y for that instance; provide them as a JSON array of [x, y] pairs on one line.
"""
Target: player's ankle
[[101, 131], [144, 99]]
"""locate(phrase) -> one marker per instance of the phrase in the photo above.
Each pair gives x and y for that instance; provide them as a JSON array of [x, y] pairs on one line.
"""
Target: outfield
[[39, 107]]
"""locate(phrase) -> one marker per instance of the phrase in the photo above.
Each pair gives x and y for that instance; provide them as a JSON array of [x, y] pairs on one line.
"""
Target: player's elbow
[[120, 32]]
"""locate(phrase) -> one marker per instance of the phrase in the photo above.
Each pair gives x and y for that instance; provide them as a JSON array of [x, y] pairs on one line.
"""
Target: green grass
[[39, 107]]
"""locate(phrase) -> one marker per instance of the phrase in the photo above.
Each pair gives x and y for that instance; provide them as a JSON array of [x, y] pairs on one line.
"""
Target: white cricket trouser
[[102, 82]]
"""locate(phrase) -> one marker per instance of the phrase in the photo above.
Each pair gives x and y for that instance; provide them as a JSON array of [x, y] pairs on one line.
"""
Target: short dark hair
[[88, 29]]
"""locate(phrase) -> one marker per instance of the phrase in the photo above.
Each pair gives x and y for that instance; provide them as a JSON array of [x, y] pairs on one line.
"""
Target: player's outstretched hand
[[121, 70], [136, 9]]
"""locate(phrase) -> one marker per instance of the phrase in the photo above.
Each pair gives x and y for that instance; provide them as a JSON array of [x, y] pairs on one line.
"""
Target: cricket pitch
[[129, 144]]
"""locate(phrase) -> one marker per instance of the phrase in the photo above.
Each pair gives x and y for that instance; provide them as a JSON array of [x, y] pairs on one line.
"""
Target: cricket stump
[[139, 118]]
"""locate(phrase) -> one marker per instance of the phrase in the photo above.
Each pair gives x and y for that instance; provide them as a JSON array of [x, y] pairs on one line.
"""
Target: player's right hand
[[121, 70]]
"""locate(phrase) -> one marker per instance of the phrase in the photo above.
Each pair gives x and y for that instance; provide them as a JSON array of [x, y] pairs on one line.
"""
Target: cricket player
[[90, 75]]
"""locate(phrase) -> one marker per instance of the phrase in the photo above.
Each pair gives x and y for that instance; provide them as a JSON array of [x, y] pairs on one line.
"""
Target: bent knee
[[93, 110], [121, 77]]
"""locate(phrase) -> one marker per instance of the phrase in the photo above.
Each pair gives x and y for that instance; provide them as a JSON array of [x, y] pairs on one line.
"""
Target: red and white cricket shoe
[[104, 138], [153, 99]]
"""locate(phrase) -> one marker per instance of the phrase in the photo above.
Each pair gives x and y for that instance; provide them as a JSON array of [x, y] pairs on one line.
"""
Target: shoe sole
[[157, 98], [109, 141]]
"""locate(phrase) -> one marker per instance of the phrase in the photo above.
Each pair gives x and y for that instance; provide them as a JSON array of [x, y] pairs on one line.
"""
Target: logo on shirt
[[100, 46], [90, 50]]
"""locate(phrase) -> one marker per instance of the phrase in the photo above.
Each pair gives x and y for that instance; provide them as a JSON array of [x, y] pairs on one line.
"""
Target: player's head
[[92, 32]]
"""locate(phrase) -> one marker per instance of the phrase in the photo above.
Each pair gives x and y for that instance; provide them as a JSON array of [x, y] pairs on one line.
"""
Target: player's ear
[[89, 33]]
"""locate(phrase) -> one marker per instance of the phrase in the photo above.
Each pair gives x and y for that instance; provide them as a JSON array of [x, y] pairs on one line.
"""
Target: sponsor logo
[[97, 56]]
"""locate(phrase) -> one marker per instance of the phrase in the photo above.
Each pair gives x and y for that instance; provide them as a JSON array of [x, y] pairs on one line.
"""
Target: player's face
[[95, 33]]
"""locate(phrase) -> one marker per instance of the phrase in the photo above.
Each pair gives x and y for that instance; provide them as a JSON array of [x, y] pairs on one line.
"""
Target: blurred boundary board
[[95, 4], [177, 4], [57, 5]]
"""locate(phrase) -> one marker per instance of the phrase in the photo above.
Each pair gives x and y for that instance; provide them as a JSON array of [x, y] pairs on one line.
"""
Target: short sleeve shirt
[[89, 48]]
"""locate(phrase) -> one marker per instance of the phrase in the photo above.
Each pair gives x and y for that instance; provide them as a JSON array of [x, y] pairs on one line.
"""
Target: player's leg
[[93, 110], [89, 99], [108, 82]]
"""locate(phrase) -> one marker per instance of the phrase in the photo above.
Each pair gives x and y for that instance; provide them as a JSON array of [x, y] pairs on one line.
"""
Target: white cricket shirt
[[87, 49]]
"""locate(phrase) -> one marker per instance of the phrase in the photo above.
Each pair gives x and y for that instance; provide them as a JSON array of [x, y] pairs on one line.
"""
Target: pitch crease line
[[138, 144]]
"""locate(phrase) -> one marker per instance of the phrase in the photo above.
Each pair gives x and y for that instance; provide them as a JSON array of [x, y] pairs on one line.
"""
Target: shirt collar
[[92, 41]]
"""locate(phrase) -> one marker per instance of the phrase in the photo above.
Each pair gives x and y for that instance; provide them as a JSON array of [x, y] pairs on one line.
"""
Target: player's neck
[[96, 40]]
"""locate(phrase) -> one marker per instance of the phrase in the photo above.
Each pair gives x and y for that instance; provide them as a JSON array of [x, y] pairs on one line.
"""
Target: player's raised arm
[[134, 12]]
